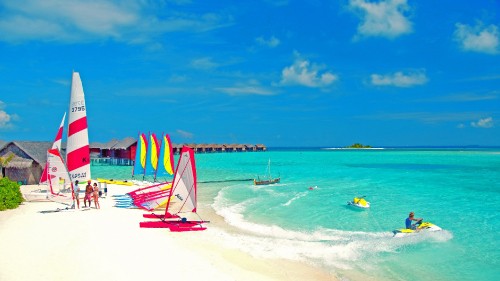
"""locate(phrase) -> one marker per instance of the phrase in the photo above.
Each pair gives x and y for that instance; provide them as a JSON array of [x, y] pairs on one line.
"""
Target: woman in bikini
[[96, 196]]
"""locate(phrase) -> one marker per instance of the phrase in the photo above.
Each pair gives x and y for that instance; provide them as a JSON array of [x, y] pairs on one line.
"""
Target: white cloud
[[483, 123], [478, 38], [185, 134], [132, 21], [302, 72], [399, 79], [5, 118], [205, 63], [384, 18], [246, 90], [271, 42]]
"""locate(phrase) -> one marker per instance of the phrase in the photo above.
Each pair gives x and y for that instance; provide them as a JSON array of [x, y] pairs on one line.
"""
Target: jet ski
[[359, 202], [421, 226]]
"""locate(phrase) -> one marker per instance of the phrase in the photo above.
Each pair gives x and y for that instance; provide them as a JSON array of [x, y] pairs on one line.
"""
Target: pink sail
[[77, 151], [151, 197], [55, 145]]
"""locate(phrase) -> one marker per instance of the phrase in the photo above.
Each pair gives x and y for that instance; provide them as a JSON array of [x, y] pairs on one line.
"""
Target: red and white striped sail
[[56, 145], [60, 186], [77, 150], [184, 189], [184, 184]]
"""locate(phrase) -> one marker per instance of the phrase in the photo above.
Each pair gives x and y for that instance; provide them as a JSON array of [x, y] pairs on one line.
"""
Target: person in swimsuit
[[76, 192], [96, 196], [409, 219], [88, 193]]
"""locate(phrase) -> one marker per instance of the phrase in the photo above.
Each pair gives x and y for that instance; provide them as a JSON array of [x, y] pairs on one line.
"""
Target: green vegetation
[[358, 145], [10, 194]]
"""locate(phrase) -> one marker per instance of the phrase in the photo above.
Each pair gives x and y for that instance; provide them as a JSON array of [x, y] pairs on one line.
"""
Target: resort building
[[27, 160], [122, 152]]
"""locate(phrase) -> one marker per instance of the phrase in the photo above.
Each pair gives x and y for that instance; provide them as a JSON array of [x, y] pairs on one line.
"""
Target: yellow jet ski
[[359, 202], [421, 226]]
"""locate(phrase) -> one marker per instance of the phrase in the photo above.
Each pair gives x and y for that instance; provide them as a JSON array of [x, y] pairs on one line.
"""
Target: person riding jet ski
[[410, 218]]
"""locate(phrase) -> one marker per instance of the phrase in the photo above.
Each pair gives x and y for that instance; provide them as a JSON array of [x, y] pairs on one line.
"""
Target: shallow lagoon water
[[457, 189]]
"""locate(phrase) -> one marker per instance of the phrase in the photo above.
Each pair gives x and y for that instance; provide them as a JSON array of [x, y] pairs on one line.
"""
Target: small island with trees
[[358, 145]]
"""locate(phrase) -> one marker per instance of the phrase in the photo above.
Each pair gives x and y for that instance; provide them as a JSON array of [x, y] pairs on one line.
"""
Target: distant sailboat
[[77, 150], [269, 180]]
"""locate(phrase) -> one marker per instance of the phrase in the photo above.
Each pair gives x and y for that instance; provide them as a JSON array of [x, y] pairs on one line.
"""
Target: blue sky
[[279, 73]]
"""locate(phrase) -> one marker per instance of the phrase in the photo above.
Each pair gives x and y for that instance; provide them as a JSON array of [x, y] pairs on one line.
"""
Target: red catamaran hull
[[175, 226]]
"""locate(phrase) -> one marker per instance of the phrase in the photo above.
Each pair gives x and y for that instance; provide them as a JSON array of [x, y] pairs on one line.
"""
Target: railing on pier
[[111, 161]]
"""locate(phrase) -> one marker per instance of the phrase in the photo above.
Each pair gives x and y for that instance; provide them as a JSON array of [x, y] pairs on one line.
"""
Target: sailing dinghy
[[60, 187], [269, 180], [184, 189], [77, 149], [41, 193], [156, 195]]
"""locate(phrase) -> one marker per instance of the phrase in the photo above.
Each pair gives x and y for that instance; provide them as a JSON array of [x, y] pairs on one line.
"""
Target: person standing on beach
[[96, 196], [76, 192], [88, 193]]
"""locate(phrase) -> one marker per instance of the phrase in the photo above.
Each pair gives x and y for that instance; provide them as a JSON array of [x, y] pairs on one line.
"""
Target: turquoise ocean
[[456, 189]]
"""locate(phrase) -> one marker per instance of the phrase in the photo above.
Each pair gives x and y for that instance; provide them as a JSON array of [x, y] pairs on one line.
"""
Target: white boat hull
[[36, 195]]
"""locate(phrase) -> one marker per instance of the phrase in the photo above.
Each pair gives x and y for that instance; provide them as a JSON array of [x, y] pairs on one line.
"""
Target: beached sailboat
[[77, 149], [269, 179], [156, 195], [184, 189], [55, 145], [165, 159], [60, 187], [41, 194], [152, 156], [140, 156]]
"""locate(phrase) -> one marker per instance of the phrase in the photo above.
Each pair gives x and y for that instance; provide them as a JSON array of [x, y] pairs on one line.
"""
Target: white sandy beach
[[108, 244]]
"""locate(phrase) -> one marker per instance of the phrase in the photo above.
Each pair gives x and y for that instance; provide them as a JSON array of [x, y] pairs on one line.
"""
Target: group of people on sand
[[90, 192]]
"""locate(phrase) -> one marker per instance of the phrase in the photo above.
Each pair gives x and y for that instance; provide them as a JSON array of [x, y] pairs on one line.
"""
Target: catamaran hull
[[174, 226]]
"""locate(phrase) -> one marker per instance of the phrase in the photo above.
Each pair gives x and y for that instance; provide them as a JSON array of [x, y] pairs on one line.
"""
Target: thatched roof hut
[[28, 162]]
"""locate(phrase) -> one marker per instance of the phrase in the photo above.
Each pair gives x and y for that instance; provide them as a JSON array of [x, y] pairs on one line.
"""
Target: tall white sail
[[184, 184], [77, 150]]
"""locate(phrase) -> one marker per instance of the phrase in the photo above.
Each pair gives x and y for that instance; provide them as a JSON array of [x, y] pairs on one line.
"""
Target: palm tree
[[4, 161]]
